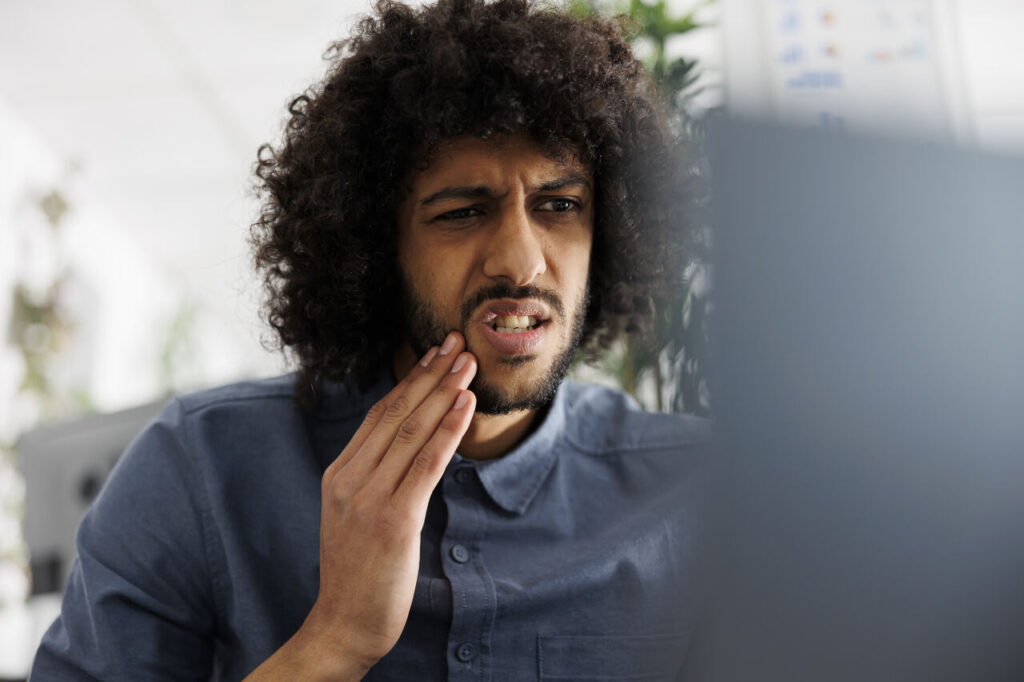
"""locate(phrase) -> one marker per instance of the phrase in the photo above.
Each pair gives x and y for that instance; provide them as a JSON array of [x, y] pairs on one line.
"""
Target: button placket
[[465, 652], [459, 553], [473, 594]]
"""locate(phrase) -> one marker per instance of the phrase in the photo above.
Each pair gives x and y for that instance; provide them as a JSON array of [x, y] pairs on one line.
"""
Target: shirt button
[[460, 553], [464, 475], [466, 652]]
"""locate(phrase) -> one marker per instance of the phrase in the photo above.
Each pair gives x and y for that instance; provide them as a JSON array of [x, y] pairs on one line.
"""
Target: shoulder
[[338, 401], [209, 419], [223, 424], [214, 417], [602, 420], [276, 391], [226, 429]]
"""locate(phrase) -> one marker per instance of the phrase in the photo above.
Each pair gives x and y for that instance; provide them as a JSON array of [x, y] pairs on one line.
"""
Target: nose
[[516, 251]]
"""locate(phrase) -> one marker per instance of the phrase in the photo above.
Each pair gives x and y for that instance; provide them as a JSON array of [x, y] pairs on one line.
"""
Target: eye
[[559, 205], [459, 214]]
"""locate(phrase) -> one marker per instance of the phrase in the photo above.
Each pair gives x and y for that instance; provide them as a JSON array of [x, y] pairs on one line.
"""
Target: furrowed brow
[[469, 192], [572, 180]]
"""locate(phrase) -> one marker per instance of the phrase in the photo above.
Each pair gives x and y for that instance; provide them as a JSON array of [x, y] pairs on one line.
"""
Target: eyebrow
[[484, 192], [468, 192], [571, 180]]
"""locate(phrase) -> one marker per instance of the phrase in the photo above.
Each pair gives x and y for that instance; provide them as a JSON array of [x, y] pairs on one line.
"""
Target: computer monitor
[[868, 391], [65, 464]]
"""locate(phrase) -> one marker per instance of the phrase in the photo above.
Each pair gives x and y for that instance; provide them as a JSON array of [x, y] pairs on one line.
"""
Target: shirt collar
[[512, 481]]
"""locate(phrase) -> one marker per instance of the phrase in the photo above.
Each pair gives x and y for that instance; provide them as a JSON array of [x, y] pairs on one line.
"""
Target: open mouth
[[514, 324], [516, 327]]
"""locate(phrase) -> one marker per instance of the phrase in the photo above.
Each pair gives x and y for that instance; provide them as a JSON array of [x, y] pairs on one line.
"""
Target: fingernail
[[449, 345], [459, 364], [429, 356], [461, 401]]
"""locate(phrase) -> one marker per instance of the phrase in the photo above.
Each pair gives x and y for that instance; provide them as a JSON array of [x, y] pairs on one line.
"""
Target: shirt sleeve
[[139, 600]]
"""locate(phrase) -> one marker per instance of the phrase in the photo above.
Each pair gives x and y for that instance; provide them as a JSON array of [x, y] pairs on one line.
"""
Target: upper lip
[[506, 307]]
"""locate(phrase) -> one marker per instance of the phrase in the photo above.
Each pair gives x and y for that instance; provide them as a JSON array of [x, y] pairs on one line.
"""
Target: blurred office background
[[127, 135], [127, 131]]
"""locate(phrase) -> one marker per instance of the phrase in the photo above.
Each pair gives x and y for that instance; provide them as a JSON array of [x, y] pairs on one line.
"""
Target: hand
[[373, 504]]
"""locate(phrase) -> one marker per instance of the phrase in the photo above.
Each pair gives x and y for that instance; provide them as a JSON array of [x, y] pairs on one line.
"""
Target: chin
[[513, 371], [533, 389]]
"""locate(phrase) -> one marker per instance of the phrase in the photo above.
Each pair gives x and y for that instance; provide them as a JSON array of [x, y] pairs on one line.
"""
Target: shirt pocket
[[639, 658]]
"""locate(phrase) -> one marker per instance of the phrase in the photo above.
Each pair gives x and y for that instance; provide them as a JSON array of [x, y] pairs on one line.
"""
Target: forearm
[[305, 657]]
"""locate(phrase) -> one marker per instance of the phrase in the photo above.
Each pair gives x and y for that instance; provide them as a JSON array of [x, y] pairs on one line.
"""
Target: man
[[474, 192]]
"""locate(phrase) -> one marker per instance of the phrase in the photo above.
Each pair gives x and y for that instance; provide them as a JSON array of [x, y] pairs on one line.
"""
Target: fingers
[[419, 427], [378, 429], [427, 465]]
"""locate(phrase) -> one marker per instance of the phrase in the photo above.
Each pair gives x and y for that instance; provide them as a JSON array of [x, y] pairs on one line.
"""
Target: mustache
[[507, 291]]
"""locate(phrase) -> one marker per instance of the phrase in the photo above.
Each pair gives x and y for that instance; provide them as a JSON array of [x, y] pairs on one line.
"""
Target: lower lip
[[516, 343]]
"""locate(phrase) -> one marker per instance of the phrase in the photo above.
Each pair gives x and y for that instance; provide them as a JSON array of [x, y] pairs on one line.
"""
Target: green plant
[[676, 78], [675, 355]]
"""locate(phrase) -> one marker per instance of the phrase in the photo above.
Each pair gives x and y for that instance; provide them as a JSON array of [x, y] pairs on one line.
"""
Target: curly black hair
[[410, 78]]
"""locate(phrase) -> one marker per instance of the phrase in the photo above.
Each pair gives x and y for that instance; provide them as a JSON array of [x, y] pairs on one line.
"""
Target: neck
[[489, 435]]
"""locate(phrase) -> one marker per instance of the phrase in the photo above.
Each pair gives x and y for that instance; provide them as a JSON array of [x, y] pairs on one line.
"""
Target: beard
[[424, 328]]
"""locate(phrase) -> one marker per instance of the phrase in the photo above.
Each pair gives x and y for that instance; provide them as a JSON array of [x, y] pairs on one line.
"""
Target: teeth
[[510, 324]]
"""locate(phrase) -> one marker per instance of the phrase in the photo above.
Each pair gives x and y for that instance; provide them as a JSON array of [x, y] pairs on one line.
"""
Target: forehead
[[497, 161]]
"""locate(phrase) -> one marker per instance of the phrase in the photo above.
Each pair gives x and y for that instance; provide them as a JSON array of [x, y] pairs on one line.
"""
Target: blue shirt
[[571, 557]]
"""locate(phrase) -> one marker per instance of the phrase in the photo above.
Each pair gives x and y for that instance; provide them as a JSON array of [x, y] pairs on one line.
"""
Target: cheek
[[442, 287]]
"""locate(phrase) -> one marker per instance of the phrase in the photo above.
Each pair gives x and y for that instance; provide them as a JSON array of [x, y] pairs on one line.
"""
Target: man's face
[[492, 231]]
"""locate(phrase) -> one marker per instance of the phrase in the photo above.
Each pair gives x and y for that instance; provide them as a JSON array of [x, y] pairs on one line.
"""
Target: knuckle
[[337, 492], [409, 430], [396, 409], [377, 411], [422, 464], [399, 515]]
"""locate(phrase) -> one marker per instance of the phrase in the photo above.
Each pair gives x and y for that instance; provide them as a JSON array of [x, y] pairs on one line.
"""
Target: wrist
[[309, 655], [327, 655]]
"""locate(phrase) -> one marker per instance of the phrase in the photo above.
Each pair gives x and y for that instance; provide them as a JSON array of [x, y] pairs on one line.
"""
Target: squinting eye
[[458, 214], [558, 205]]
